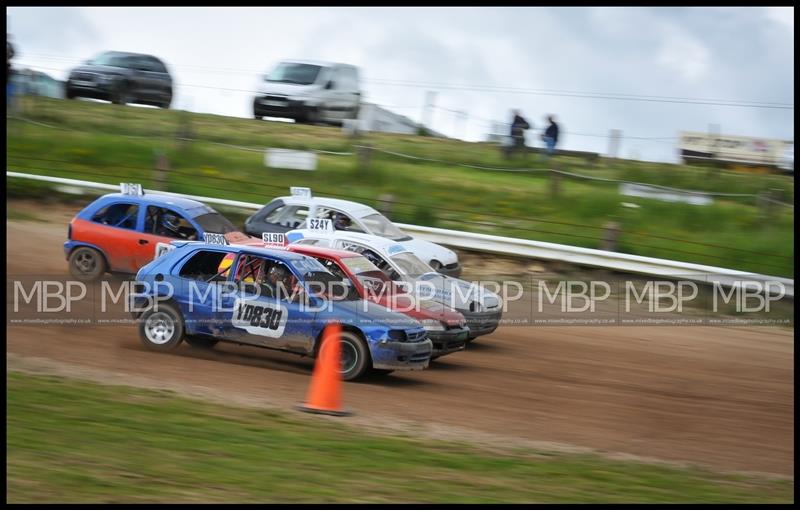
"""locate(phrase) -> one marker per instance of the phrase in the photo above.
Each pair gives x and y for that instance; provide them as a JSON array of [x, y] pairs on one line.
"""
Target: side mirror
[[329, 85]]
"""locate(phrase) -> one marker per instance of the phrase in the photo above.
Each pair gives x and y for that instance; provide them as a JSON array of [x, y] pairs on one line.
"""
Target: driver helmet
[[170, 222], [341, 221]]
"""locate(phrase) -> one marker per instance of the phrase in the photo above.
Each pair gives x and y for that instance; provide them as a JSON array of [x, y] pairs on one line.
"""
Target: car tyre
[[436, 265], [355, 356], [87, 264], [121, 94], [161, 327]]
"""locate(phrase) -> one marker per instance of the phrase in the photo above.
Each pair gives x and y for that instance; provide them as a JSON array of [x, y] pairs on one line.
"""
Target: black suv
[[122, 78]]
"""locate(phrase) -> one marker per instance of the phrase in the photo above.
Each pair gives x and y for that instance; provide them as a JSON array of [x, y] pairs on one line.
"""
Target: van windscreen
[[299, 74]]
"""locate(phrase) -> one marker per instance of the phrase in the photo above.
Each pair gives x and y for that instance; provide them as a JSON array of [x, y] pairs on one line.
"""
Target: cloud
[[782, 16], [684, 55]]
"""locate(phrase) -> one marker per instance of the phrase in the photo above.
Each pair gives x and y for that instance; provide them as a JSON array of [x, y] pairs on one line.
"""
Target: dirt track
[[722, 397]]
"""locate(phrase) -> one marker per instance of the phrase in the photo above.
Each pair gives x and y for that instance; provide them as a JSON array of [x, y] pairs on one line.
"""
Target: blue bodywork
[[395, 341]]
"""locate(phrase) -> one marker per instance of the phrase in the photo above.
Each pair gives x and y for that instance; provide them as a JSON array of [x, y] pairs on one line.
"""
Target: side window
[[267, 277], [206, 266], [156, 65], [121, 215], [295, 216], [275, 214], [333, 268], [341, 221], [165, 222]]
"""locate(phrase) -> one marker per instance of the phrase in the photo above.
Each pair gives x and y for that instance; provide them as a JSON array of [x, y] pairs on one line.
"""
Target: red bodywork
[[394, 299], [125, 249]]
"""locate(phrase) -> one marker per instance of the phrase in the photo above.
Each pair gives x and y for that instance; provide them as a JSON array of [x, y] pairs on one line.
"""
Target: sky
[[548, 55]]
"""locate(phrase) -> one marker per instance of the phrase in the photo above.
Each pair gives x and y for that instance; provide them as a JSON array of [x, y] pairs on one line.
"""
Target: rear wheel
[[87, 264], [161, 327]]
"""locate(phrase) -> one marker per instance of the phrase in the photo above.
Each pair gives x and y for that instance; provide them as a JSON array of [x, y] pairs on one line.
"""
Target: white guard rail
[[519, 247]]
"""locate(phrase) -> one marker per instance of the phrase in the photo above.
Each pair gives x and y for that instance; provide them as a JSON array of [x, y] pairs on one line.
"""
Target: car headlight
[[474, 306], [432, 325]]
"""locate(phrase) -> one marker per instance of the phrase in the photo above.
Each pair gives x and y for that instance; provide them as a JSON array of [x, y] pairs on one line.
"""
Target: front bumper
[[401, 355], [481, 323], [448, 341], [288, 109], [453, 270]]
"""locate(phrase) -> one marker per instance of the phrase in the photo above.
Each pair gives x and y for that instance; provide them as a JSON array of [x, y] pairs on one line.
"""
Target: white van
[[309, 91]]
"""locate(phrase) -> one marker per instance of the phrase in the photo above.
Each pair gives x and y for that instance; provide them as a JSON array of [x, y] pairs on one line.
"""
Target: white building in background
[[372, 117]]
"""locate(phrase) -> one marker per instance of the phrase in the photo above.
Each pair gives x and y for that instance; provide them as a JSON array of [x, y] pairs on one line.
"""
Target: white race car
[[291, 212], [481, 308]]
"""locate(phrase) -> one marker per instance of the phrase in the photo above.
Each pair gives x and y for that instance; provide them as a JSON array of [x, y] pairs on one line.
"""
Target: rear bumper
[[401, 355], [448, 341], [481, 323]]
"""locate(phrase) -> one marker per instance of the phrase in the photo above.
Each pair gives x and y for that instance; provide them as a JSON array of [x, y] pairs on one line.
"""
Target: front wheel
[[161, 327], [436, 265], [355, 358], [121, 94], [86, 264]]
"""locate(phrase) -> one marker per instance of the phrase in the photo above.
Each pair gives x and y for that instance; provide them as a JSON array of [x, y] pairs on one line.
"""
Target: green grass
[[96, 145], [73, 441]]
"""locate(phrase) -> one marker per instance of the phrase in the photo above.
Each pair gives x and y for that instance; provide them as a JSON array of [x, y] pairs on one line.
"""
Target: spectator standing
[[518, 127], [550, 136]]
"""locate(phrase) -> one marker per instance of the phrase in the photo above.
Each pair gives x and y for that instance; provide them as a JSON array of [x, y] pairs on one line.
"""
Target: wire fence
[[445, 162], [262, 191]]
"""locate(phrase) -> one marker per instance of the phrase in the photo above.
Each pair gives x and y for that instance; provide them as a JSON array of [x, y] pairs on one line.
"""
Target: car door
[[145, 81], [152, 233], [259, 317], [115, 231], [201, 284]]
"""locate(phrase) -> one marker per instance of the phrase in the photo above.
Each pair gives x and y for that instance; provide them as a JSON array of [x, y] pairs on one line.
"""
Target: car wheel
[[436, 265], [312, 115], [355, 358], [122, 94], [201, 342], [70, 94], [161, 327], [87, 264]]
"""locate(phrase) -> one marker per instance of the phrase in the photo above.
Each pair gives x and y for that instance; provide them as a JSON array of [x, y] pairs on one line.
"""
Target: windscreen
[[215, 223], [299, 74], [109, 59], [410, 264], [380, 225]]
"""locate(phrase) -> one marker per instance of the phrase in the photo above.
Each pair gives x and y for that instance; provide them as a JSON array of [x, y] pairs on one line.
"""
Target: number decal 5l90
[[259, 317]]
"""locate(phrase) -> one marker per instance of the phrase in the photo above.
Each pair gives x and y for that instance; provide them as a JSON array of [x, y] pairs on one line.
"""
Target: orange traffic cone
[[325, 390]]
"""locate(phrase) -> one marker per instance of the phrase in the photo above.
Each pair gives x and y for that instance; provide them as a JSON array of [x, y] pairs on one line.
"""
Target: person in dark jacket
[[518, 127], [550, 136]]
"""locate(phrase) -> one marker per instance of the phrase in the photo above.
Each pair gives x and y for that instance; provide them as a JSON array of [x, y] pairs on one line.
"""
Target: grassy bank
[[73, 441], [106, 143]]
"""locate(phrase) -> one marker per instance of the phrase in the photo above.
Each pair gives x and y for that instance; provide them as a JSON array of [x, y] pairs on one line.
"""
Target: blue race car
[[270, 298]]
